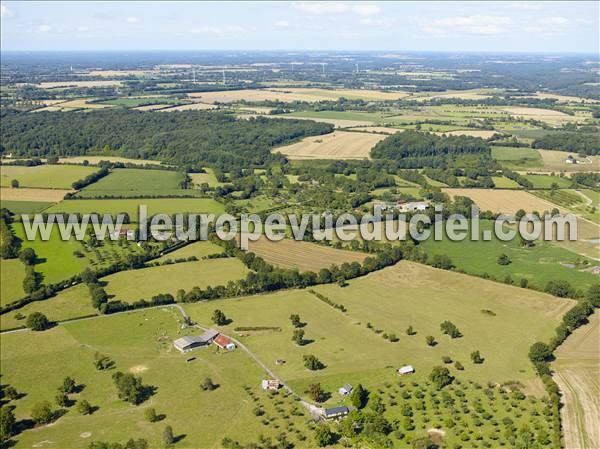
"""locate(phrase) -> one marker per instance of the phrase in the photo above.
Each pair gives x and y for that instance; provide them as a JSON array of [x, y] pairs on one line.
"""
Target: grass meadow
[[538, 264], [125, 182], [391, 300], [168, 206]]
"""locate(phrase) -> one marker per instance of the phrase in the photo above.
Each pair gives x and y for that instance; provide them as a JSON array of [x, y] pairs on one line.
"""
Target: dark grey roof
[[209, 335], [188, 340], [336, 411]]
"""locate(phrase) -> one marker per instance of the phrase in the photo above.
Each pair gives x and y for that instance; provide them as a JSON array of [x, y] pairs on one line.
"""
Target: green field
[[12, 273], [73, 302], [155, 206], [56, 259], [339, 115], [392, 299], [538, 264], [517, 158], [546, 181], [44, 176], [502, 182], [36, 363], [25, 207], [126, 182], [197, 249], [129, 286], [208, 177]]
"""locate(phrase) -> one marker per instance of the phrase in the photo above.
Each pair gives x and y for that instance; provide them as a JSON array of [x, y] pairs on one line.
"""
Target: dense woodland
[[583, 143], [184, 138]]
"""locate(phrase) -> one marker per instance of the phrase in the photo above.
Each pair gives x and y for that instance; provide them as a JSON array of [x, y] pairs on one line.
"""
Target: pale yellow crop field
[[337, 145], [337, 122], [66, 84], [549, 116], [376, 129], [190, 107], [113, 73], [502, 201], [294, 94], [31, 194], [483, 133]]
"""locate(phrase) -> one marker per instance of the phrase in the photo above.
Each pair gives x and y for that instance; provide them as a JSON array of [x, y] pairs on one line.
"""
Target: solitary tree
[[410, 331], [14, 184], [440, 376], [150, 414], [167, 436], [84, 407], [503, 259], [208, 385], [430, 340], [27, 256], [476, 357], [42, 412], [295, 319], [68, 386], [298, 336], [359, 396], [312, 363], [316, 392], [219, 318], [37, 321]]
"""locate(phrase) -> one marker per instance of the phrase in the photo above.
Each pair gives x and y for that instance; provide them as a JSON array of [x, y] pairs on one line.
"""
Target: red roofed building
[[224, 343]]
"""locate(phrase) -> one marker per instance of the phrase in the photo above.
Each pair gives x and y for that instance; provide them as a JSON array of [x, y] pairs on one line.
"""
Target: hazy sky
[[461, 26]]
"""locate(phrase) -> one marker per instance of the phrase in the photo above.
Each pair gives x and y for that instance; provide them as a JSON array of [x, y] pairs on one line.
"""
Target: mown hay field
[[391, 300], [552, 117], [577, 373], [337, 145], [502, 201], [304, 256], [32, 194], [79, 84], [141, 342], [44, 176]]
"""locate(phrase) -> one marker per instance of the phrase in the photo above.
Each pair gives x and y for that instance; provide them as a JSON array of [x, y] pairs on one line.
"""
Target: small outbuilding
[[336, 412], [224, 343], [270, 384], [407, 369], [345, 390]]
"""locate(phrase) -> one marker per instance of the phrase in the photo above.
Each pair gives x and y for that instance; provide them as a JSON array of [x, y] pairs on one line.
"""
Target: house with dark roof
[[190, 342], [336, 412]]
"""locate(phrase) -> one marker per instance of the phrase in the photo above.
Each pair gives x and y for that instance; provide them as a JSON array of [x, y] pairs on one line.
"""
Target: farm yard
[[337, 145], [556, 161]]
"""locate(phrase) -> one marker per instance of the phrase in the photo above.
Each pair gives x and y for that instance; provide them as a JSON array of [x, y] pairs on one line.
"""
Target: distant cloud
[[219, 31], [282, 24], [525, 6], [549, 26], [476, 25], [44, 28], [6, 13], [133, 19], [323, 8]]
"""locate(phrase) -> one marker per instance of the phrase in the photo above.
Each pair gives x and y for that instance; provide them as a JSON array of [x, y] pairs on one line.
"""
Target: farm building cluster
[[410, 207], [210, 336]]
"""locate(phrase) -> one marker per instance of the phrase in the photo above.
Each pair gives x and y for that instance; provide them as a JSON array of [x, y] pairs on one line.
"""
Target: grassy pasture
[[392, 299], [539, 264], [155, 206], [141, 342], [12, 273], [337, 145], [546, 181], [576, 373], [139, 101], [136, 182], [25, 207], [44, 176], [129, 286], [304, 256], [502, 182], [73, 302], [517, 158], [198, 249]]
